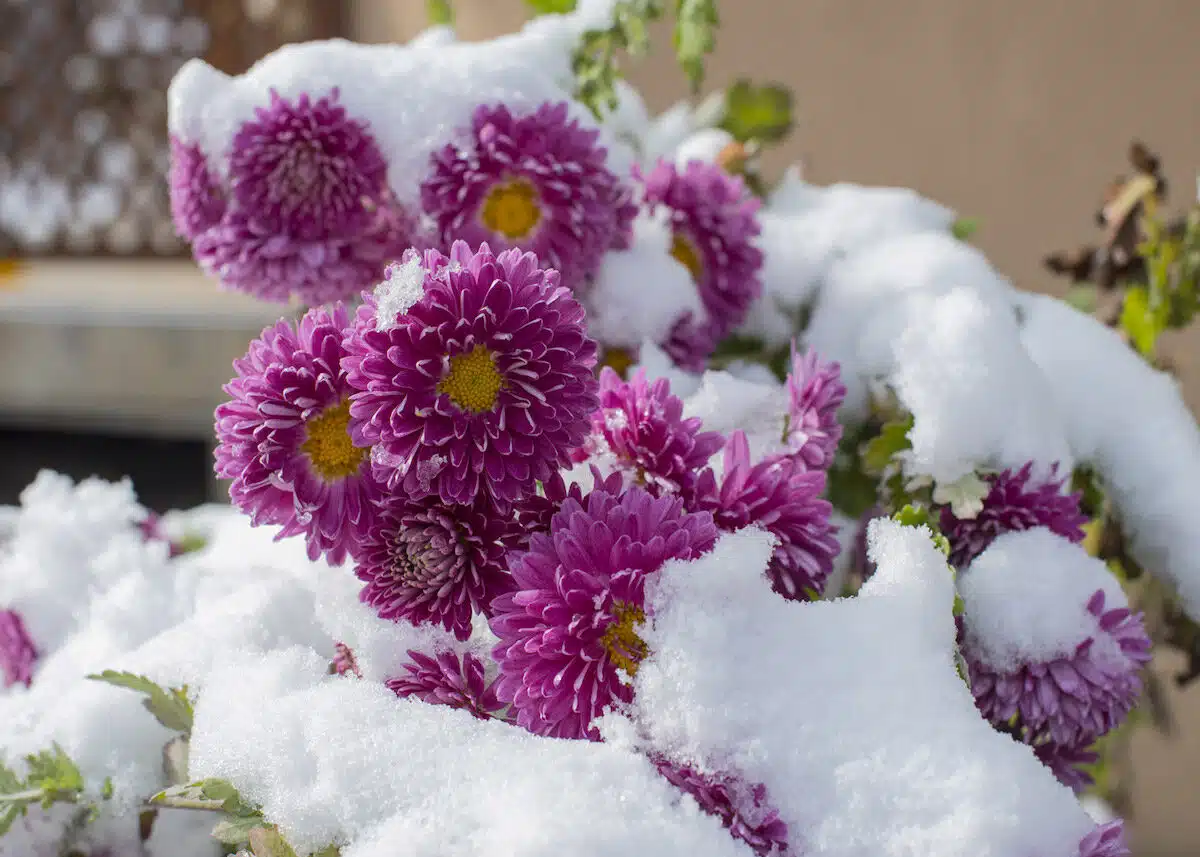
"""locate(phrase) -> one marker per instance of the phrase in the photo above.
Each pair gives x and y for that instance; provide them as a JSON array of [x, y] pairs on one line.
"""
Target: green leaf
[[1141, 321], [552, 7], [695, 36], [10, 811], [878, 453], [214, 795], [919, 516], [964, 227], [236, 831], [269, 842], [440, 13], [1084, 297], [53, 772], [762, 113], [171, 708]]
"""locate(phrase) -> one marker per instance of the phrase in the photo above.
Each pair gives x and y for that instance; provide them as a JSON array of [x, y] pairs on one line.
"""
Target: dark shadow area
[[167, 474]]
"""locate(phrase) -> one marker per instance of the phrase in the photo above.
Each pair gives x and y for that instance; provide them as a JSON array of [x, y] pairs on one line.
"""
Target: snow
[[335, 759], [895, 762], [403, 286], [640, 293], [1025, 599], [657, 364], [758, 407], [703, 145], [1131, 423], [416, 98]]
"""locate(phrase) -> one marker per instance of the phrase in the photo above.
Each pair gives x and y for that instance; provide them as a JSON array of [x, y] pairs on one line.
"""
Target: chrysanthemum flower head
[[1016, 500], [197, 200], [535, 511], [783, 497], [1106, 840], [448, 680], [18, 655], [283, 437], [1073, 699], [482, 383], [427, 562], [537, 181], [714, 224], [569, 633], [311, 215], [743, 808], [1068, 764], [815, 392], [642, 425]]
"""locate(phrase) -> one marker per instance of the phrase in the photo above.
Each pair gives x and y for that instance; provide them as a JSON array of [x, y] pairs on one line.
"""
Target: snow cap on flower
[[423, 562], [783, 497], [743, 808], [1049, 639], [537, 181], [1015, 500], [311, 214], [483, 386], [569, 633], [446, 679], [714, 224], [283, 437], [18, 655], [815, 392], [641, 424]]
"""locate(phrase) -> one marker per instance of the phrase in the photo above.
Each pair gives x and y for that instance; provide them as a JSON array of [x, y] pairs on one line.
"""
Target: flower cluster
[[441, 420]]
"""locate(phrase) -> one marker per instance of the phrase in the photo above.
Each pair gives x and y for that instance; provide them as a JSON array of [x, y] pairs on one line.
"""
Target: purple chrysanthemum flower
[[312, 213], [744, 808], [1106, 840], [815, 392], [1070, 700], [569, 632], [483, 385], [446, 680], [535, 511], [1013, 504], [641, 423], [690, 344], [197, 201], [713, 224], [537, 181], [427, 562], [17, 651], [780, 495], [283, 437], [344, 662], [1068, 764], [246, 256]]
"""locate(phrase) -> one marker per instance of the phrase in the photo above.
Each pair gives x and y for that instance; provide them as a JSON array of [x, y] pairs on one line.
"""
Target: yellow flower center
[[328, 444], [473, 382], [511, 209], [625, 648], [687, 254], [618, 359]]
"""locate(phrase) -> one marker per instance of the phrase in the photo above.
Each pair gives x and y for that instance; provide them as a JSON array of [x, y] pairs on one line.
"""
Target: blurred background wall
[[1016, 113]]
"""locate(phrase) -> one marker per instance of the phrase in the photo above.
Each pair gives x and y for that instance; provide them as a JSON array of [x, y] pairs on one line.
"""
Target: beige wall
[[1018, 113]]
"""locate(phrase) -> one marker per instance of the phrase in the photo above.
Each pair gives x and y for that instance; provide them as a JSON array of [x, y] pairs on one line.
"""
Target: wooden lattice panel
[[83, 110]]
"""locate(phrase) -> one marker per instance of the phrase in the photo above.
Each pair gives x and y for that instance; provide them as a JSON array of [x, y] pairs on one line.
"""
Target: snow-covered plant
[[597, 499]]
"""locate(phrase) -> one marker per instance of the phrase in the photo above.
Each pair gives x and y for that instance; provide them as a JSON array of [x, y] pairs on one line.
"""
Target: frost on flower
[[403, 286], [1053, 649], [711, 691]]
